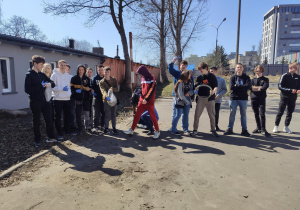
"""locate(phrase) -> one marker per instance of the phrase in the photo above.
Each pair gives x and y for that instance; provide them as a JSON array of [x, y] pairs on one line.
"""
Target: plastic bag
[[113, 98], [48, 93]]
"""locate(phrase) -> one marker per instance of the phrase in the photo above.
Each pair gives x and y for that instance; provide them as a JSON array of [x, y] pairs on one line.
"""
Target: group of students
[[58, 93], [209, 89]]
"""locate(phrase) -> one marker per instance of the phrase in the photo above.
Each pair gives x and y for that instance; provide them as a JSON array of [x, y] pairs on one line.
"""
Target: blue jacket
[[176, 74], [222, 89]]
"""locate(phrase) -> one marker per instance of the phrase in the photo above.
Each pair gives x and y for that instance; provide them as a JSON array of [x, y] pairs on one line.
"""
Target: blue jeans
[[233, 104], [177, 112], [146, 120]]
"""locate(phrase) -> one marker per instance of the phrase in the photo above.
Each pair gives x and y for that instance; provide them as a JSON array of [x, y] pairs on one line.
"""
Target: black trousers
[[79, 105], [44, 107], [98, 110], [259, 109], [217, 110], [290, 104], [59, 107]]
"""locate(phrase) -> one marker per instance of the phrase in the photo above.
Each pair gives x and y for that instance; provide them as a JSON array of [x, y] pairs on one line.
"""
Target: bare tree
[[94, 10], [187, 21], [155, 25], [21, 27], [83, 45]]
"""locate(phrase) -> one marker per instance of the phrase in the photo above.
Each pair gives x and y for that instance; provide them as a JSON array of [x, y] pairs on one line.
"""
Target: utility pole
[[217, 37], [238, 35]]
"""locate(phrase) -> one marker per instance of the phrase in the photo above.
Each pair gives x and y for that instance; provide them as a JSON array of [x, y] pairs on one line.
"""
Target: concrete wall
[[21, 61]]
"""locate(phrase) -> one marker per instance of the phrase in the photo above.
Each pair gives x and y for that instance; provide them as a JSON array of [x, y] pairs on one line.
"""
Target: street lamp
[[217, 28]]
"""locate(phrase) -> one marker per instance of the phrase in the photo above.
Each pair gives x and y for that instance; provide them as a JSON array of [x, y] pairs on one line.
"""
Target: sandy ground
[[175, 172]]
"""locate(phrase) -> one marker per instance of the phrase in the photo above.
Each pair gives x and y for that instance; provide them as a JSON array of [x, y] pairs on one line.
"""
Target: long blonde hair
[[48, 74]]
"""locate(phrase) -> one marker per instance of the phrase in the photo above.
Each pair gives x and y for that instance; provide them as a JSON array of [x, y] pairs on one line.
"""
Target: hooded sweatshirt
[[95, 85], [82, 83], [148, 84], [61, 80], [33, 86], [239, 86]]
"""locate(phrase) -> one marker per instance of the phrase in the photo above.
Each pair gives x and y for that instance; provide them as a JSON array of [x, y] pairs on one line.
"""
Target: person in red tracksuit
[[146, 101]]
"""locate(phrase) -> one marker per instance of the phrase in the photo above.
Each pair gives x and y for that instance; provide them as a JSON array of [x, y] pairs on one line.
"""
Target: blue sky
[[57, 27]]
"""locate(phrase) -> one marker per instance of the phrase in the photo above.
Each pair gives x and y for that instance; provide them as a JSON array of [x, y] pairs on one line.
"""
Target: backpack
[[136, 96]]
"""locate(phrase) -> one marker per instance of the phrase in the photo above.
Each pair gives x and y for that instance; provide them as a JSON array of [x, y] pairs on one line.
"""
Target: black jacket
[[288, 82], [95, 85], [33, 85], [80, 83], [206, 79], [262, 94], [239, 86]]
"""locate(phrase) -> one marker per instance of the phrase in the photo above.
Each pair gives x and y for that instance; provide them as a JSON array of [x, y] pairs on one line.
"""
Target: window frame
[[9, 81]]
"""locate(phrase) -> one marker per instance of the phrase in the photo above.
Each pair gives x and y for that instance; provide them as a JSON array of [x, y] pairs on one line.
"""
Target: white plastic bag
[[48, 93], [113, 98]]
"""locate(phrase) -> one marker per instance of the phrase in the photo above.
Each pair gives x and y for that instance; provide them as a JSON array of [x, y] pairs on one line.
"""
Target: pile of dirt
[[17, 139]]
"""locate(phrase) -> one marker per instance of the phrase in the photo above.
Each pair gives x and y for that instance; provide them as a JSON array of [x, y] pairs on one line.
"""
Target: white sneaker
[[170, 129], [142, 126], [275, 129], [129, 132], [156, 135], [95, 130], [186, 133], [286, 129]]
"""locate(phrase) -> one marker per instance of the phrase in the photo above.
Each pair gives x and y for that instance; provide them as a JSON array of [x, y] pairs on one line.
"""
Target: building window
[[54, 64], [5, 75]]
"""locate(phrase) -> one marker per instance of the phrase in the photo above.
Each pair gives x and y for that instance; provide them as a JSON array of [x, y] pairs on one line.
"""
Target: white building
[[15, 60], [281, 32]]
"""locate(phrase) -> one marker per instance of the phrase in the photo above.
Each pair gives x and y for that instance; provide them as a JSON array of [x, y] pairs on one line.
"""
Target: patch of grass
[[164, 90]]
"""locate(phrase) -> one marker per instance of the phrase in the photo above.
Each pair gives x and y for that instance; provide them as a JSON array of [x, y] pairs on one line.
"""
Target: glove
[[65, 88], [195, 92], [94, 94], [78, 91], [108, 98]]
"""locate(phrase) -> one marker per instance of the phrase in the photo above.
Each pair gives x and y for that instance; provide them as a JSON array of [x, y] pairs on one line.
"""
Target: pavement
[[174, 172]]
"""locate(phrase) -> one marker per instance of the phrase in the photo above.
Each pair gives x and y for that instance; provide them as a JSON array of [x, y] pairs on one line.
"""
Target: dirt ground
[[174, 172]]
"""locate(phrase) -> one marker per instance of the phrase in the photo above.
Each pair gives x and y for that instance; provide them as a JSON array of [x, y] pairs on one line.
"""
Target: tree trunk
[[118, 21], [162, 38], [127, 83]]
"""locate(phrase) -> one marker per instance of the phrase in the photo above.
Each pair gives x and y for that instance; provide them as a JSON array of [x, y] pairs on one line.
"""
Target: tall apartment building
[[281, 32], [194, 59]]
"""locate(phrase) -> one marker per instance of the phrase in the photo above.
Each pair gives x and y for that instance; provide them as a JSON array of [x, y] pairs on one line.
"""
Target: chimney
[[98, 50], [117, 57], [71, 43]]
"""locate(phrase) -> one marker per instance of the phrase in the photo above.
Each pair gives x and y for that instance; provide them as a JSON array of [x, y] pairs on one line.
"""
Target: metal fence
[[276, 69]]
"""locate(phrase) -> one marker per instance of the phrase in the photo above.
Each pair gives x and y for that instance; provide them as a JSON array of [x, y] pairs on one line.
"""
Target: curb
[[15, 167]]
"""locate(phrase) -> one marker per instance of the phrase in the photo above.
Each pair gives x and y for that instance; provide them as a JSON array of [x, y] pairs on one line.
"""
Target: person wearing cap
[[146, 101], [107, 84]]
